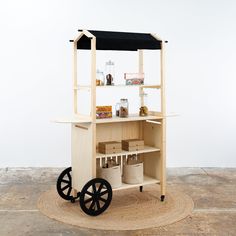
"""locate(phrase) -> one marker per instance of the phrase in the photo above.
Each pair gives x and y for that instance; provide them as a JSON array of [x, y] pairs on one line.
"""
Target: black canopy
[[123, 41]]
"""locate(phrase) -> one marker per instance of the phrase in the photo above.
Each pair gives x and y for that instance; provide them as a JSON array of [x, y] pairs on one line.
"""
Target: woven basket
[[112, 175], [133, 174]]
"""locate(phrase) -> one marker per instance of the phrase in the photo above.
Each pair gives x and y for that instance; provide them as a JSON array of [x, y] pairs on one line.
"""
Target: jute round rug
[[129, 209]]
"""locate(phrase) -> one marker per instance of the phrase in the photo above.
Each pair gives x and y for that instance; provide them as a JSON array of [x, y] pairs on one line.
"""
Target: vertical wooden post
[[163, 100], [93, 103], [140, 70], [75, 82], [163, 129], [93, 79]]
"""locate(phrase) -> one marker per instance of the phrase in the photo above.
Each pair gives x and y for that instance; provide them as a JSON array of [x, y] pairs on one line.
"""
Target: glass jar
[[110, 72], [143, 110], [100, 79], [118, 109], [124, 107]]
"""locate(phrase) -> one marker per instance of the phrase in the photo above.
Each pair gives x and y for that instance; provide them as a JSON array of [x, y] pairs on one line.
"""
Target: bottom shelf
[[146, 180]]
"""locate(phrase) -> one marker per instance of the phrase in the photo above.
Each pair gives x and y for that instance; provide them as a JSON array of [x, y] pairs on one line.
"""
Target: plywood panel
[[82, 156], [117, 131], [152, 161]]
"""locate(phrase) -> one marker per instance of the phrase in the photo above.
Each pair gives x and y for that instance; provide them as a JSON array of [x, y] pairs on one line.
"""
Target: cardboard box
[[103, 115], [132, 144], [134, 78], [103, 108], [109, 147]]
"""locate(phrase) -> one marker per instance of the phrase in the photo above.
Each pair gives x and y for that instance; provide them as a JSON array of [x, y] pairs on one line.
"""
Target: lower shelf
[[146, 180], [146, 149]]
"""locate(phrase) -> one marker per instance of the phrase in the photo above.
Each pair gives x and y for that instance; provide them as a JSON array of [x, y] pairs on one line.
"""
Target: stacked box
[[103, 112], [109, 147], [132, 144]]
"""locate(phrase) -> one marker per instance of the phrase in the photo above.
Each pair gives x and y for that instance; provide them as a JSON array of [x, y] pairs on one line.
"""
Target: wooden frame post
[[93, 103], [140, 70], [163, 127], [75, 82], [75, 76]]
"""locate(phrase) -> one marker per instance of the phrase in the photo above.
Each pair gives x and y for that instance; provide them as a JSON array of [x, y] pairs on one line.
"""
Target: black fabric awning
[[123, 41]]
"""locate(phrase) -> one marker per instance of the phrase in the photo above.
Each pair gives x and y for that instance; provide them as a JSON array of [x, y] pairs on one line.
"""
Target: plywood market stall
[[81, 179]]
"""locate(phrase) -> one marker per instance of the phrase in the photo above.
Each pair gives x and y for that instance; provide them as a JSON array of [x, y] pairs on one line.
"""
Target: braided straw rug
[[129, 209]]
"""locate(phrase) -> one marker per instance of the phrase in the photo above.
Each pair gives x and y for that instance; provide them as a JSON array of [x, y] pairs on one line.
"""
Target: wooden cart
[[80, 181]]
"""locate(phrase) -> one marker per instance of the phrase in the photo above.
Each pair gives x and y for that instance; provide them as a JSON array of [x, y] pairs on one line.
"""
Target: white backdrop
[[36, 75]]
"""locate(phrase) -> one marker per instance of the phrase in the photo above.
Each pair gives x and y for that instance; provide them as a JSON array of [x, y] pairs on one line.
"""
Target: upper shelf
[[132, 117], [88, 87], [87, 119]]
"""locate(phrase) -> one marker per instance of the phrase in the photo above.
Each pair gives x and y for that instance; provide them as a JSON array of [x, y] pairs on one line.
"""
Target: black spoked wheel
[[64, 184], [95, 197]]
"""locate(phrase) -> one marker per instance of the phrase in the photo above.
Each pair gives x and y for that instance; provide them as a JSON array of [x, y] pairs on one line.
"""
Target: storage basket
[[112, 175], [133, 174]]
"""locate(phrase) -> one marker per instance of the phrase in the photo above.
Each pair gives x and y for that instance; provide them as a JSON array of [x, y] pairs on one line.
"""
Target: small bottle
[[124, 107], [110, 72]]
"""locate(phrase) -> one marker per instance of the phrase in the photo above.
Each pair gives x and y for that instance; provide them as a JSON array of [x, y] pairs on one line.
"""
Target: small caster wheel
[[140, 188], [74, 198], [162, 198], [64, 184], [95, 197]]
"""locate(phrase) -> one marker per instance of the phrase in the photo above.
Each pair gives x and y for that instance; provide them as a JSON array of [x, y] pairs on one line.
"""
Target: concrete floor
[[212, 189]]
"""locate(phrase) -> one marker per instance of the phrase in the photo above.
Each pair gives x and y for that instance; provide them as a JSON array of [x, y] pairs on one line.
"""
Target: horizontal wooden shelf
[[146, 149], [132, 117], [77, 119], [88, 87], [146, 180]]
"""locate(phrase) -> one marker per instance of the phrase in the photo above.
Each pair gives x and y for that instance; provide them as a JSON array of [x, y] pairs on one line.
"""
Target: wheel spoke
[[104, 192], [98, 204], [88, 200], [94, 188], [89, 193], [65, 187], [92, 205], [69, 191], [102, 199], [65, 181], [100, 188]]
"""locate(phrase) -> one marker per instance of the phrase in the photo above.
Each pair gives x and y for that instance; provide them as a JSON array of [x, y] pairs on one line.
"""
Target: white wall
[[36, 77]]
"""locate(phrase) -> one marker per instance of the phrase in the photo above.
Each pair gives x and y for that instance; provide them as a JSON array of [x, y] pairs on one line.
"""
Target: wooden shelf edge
[[88, 87], [146, 181], [74, 119], [147, 149], [132, 117]]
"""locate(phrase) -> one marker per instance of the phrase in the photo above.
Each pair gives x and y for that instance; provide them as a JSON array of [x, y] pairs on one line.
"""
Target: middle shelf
[[88, 87], [146, 149]]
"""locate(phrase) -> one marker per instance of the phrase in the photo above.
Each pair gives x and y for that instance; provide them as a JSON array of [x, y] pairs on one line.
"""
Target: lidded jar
[[110, 72], [124, 107], [100, 79]]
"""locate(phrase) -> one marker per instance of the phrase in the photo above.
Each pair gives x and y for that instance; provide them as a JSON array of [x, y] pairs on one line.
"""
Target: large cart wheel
[[95, 197], [64, 184]]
